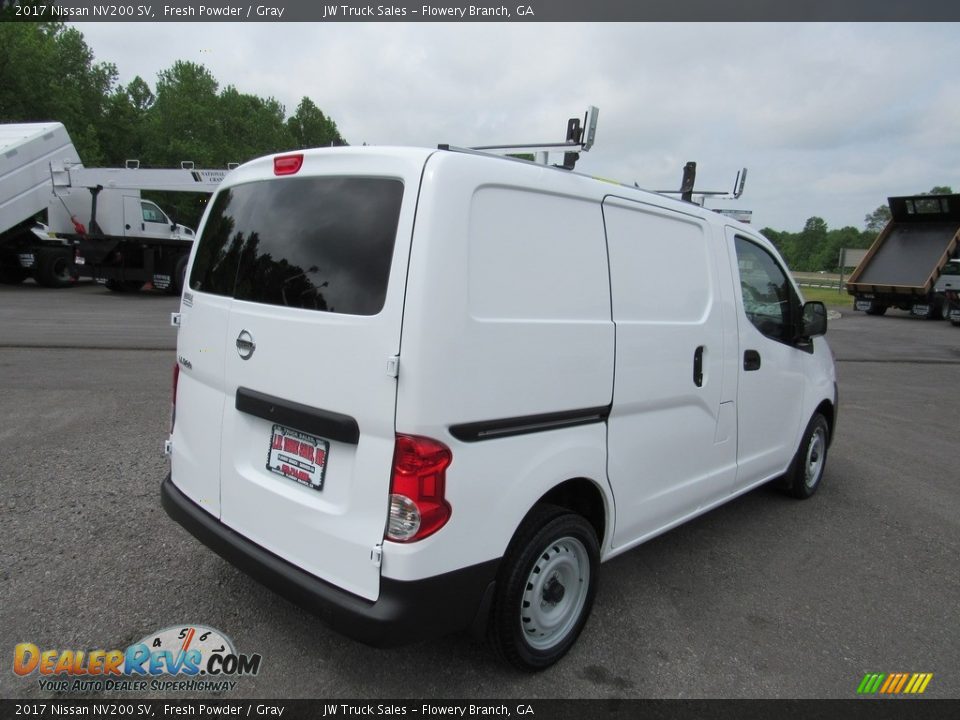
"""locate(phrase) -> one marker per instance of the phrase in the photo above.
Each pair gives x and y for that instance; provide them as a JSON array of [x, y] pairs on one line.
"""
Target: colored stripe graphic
[[870, 683], [894, 683]]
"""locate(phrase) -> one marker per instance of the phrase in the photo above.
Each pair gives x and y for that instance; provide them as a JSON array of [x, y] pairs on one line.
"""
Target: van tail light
[[287, 164], [173, 400], [418, 507]]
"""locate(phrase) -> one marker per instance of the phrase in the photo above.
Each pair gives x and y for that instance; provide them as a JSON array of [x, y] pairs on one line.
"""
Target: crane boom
[[175, 180]]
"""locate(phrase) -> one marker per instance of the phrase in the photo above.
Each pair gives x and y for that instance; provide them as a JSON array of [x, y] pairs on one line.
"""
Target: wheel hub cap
[[555, 593], [554, 590]]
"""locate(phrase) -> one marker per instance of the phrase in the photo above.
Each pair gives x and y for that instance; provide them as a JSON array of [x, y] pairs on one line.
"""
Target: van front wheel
[[545, 589], [806, 471]]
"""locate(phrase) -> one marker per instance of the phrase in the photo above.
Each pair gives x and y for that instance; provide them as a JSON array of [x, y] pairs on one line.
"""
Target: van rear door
[[308, 399]]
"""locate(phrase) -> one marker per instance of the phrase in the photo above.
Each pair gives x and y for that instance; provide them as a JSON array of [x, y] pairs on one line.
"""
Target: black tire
[[123, 286], [553, 557], [55, 268], [13, 275], [179, 275], [806, 471], [955, 323], [876, 309]]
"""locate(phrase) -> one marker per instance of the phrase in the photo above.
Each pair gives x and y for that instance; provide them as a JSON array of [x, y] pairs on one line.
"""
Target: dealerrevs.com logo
[[180, 658], [894, 683]]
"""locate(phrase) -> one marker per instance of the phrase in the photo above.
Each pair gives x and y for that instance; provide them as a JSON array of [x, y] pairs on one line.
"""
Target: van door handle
[[751, 360], [698, 366]]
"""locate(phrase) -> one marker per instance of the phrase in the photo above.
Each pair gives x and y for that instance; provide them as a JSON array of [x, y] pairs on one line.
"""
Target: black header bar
[[480, 11]]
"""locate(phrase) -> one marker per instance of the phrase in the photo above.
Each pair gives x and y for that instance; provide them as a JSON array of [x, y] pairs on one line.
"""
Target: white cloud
[[830, 119]]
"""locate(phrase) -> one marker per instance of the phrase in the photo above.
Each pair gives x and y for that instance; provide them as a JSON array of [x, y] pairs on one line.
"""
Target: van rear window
[[317, 243]]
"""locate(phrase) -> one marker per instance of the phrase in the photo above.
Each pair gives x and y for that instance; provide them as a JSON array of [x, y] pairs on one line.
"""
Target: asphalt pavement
[[766, 597]]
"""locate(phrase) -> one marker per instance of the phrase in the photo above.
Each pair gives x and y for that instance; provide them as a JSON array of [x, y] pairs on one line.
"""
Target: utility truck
[[98, 225], [902, 267]]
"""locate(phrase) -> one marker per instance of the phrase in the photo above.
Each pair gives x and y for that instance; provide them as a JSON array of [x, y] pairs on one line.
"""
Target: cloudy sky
[[830, 119]]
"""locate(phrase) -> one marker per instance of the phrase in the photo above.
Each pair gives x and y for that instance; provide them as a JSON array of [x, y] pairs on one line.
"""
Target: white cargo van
[[419, 391]]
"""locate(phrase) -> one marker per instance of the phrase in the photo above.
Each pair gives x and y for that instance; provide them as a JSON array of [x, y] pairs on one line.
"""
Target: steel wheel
[[556, 591], [806, 471], [545, 588], [816, 457]]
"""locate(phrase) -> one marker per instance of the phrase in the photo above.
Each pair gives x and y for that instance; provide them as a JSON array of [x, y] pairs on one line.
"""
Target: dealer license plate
[[298, 456]]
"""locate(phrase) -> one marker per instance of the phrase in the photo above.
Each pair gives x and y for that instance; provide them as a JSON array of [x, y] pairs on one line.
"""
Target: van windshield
[[316, 243]]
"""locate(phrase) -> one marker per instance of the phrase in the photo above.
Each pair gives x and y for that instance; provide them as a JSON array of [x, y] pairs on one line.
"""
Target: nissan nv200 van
[[420, 391]]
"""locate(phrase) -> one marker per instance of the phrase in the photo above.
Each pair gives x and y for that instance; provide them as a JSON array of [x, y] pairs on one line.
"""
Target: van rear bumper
[[405, 612]]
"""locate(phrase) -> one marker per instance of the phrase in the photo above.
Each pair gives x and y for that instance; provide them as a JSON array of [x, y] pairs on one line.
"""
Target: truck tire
[[876, 309], [55, 268], [545, 588], [13, 275], [806, 471]]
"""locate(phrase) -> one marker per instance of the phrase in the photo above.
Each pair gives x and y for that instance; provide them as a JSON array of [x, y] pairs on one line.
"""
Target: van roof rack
[[686, 191], [580, 137]]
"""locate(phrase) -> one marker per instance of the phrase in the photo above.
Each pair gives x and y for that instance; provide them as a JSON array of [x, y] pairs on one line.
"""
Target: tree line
[[49, 73]]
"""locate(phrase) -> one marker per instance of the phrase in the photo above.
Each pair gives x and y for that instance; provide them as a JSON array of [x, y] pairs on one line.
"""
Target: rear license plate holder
[[298, 456]]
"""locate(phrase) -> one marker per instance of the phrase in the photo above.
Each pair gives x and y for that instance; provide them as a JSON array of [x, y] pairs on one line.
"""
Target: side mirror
[[813, 320]]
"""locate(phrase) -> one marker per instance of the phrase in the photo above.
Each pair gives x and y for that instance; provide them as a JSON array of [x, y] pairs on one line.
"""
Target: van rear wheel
[[545, 589], [806, 471]]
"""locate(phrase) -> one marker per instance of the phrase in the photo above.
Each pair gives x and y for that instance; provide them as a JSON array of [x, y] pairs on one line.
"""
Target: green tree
[[48, 73], [126, 119], [249, 126], [310, 128], [875, 222], [828, 256], [182, 123], [809, 244]]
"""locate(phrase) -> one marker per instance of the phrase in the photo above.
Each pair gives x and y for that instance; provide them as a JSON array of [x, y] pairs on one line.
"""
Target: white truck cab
[[419, 391], [119, 213]]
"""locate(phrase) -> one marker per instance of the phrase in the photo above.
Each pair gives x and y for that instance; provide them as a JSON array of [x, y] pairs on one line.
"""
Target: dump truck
[[97, 224], [26, 248], [902, 267]]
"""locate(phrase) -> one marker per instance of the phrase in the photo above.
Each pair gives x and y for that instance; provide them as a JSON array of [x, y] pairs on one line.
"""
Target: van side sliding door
[[672, 436]]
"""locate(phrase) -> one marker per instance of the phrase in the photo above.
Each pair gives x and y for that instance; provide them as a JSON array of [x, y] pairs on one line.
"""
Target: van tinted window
[[318, 243]]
